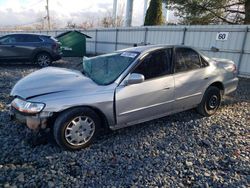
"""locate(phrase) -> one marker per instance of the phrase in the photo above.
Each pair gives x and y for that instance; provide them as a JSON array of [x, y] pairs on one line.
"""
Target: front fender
[[103, 102]]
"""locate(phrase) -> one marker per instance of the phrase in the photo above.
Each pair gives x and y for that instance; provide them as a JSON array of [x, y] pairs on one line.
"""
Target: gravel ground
[[182, 150]]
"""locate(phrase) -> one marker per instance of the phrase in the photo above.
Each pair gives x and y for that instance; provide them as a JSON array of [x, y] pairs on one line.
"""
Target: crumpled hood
[[51, 80]]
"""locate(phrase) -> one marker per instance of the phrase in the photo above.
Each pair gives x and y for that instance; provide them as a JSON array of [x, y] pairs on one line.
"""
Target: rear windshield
[[54, 39]]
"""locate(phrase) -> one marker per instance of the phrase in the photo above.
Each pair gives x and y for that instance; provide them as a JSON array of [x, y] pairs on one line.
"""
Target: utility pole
[[129, 13], [47, 9], [114, 14], [145, 10], [165, 11]]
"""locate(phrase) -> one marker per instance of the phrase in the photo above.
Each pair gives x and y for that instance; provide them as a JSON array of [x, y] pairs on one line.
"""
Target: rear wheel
[[43, 59], [210, 102], [76, 128]]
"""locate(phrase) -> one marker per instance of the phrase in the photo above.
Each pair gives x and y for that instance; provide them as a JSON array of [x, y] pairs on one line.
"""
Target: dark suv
[[40, 49]]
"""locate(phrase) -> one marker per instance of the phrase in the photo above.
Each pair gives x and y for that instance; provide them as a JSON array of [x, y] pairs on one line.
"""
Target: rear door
[[26, 44], [153, 97], [190, 77]]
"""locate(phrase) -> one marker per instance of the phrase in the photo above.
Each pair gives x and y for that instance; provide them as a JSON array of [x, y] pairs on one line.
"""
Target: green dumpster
[[73, 43]]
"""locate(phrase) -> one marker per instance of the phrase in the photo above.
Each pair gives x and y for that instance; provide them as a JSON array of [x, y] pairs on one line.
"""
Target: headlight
[[26, 106]]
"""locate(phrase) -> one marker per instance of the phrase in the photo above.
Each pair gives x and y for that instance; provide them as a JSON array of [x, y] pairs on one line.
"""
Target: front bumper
[[34, 122]]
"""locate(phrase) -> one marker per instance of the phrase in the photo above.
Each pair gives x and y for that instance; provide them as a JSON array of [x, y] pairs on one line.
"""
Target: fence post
[[242, 49], [145, 36], [116, 38], [96, 42], [184, 36]]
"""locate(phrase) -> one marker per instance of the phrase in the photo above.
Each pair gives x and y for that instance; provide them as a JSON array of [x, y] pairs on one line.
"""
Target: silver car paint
[[61, 89], [122, 104], [150, 98]]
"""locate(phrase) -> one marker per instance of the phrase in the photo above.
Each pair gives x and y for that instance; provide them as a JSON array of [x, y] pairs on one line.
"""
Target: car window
[[204, 63], [31, 38], [54, 39], [27, 38], [156, 64], [186, 59], [20, 38], [8, 40]]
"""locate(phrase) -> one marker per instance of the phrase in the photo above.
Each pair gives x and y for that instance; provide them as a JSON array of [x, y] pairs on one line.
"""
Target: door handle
[[206, 78], [12, 46]]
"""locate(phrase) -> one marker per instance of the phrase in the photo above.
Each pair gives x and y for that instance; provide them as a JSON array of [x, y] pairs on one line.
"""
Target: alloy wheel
[[43, 60], [79, 130]]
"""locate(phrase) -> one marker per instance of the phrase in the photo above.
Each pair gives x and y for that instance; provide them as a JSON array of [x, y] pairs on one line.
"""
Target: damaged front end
[[29, 113]]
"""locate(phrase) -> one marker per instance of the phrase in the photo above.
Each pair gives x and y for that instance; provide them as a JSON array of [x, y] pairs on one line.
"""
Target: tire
[[210, 101], [43, 59], [76, 128]]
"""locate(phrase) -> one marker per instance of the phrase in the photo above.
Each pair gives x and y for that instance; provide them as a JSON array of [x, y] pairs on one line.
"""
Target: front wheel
[[43, 59], [210, 102], [76, 128]]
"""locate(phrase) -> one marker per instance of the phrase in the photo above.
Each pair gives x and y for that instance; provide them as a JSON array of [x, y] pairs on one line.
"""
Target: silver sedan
[[120, 89]]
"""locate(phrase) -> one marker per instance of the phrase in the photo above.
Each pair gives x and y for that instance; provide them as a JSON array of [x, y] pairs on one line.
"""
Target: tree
[[109, 21], [154, 13], [247, 12], [86, 24], [71, 25], [211, 11]]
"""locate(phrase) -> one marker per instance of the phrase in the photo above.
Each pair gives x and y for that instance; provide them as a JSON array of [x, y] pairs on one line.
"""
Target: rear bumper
[[230, 85], [56, 57]]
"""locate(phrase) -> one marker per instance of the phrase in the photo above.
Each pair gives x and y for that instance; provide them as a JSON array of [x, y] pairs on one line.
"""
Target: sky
[[22, 12]]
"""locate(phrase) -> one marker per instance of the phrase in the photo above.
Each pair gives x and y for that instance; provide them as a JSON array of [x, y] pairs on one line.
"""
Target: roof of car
[[36, 34], [152, 47]]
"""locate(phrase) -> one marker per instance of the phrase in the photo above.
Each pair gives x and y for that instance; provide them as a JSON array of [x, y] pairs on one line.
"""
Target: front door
[[153, 97], [7, 47]]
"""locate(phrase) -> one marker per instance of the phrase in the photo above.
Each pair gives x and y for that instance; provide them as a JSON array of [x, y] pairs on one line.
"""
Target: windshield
[[105, 69]]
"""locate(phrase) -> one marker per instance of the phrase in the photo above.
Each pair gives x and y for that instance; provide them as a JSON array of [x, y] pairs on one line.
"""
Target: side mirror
[[135, 78]]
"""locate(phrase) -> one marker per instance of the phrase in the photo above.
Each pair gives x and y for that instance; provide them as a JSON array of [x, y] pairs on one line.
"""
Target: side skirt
[[119, 126]]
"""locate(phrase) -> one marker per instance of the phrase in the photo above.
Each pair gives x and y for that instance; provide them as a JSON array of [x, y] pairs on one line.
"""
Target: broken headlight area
[[27, 106]]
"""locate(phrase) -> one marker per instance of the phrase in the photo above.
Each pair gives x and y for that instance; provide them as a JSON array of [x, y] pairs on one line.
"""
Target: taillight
[[55, 47], [234, 69], [230, 67]]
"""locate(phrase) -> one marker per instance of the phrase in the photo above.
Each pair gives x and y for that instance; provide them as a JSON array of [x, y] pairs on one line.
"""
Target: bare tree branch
[[216, 15], [234, 4], [235, 11]]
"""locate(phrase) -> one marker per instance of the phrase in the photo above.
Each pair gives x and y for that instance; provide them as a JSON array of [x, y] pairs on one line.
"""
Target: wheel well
[[96, 110], [40, 52], [219, 85]]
